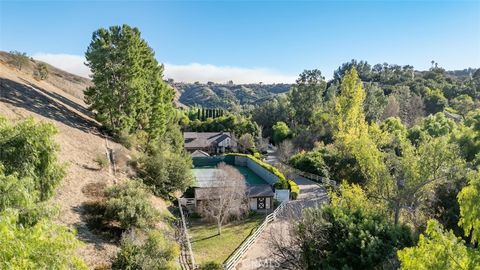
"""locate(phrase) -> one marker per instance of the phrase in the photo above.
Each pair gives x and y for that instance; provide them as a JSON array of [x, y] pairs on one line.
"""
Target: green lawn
[[208, 246]]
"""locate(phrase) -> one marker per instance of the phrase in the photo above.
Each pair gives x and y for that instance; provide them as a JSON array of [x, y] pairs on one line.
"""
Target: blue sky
[[253, 41]]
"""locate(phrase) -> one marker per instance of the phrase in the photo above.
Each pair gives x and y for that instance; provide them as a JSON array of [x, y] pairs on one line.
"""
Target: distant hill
[[214, 95]]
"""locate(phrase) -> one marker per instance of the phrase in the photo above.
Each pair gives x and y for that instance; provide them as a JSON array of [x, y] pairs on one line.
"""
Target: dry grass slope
[[59, 100]]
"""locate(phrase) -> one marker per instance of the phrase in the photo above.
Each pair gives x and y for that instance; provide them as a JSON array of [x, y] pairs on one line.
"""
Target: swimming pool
[[205, 176]]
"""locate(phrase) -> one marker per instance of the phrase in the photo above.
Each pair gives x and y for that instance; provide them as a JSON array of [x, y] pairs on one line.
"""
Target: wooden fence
[[317, 178], [191, 263], [236, 256]]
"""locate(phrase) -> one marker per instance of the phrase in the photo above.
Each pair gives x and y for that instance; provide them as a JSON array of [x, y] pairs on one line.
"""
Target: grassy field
[[208, 246]]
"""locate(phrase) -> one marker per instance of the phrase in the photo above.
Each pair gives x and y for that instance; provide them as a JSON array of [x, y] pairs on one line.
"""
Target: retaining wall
[[265, 174]]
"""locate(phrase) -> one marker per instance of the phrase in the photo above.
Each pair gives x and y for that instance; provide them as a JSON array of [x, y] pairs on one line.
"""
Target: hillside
[[214, 95], [58, 100]]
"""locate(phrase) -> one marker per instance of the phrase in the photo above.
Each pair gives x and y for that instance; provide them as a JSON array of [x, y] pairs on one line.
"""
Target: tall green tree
[[305, 97], [129, 93]]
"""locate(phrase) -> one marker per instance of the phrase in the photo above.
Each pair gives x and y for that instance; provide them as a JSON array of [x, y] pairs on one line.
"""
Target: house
[[260, 197], [208, 142]]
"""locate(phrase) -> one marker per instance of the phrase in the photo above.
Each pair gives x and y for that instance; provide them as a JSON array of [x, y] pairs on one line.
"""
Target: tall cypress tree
[[129, 93]]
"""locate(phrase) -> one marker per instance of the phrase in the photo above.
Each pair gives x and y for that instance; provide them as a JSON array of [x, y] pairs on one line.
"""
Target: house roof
[[200, 153], [204, 139], [259, 191]]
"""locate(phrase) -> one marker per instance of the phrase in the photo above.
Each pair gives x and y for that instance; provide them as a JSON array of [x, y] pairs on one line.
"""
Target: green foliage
[[280, 132], [294, 189], [349, 235], [348, 117], [41, 71], [375, 102], [306, 96], [28, 149], [129, 204], [438, 125], [469, 200], [15, 192], [45, 245], [210, 266], [237, 124], [136, 98], [166, 172], [435, 101], [270, 113], [463, 104], [146, 250], [311, 162], [439, 250]]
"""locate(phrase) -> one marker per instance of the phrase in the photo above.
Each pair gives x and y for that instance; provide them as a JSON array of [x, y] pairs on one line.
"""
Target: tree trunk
[[219, 224], [397, 214]]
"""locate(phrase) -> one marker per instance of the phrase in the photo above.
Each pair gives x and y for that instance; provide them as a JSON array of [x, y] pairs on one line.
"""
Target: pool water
[[205, 176]]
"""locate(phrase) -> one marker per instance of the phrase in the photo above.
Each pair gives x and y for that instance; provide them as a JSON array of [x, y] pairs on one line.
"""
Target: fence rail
[[190, 264], [232, 261], [311, 176]]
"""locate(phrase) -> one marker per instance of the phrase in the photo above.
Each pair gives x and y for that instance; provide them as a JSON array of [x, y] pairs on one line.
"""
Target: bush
[[29, 150], [166, 172], [19, 59], [41, 71], [146, 250], [280, 132], [210, 266], [311, 162], [45, 245], [294, 189], [351, 232], [129, 204], [102, 160]]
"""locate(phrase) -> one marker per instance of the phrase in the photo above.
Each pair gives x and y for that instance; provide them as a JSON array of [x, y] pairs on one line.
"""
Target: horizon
[[272, 41]]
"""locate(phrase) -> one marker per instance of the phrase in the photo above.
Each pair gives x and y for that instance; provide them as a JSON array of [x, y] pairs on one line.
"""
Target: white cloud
[[181, 73], [68, 62], [205, 72]]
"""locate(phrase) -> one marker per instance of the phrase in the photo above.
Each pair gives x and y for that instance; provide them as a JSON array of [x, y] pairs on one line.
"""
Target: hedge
[[294, 189], [282, 184]]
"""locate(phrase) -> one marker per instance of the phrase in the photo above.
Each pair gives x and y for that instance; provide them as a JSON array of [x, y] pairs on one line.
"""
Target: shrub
[[280, 132], [311, 162], [128, 203], [146, 250], [45, 245], [210, 266], [102, 160], [29, 150], [19, 59], [294, 189], [41, 71], [166, 172]]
